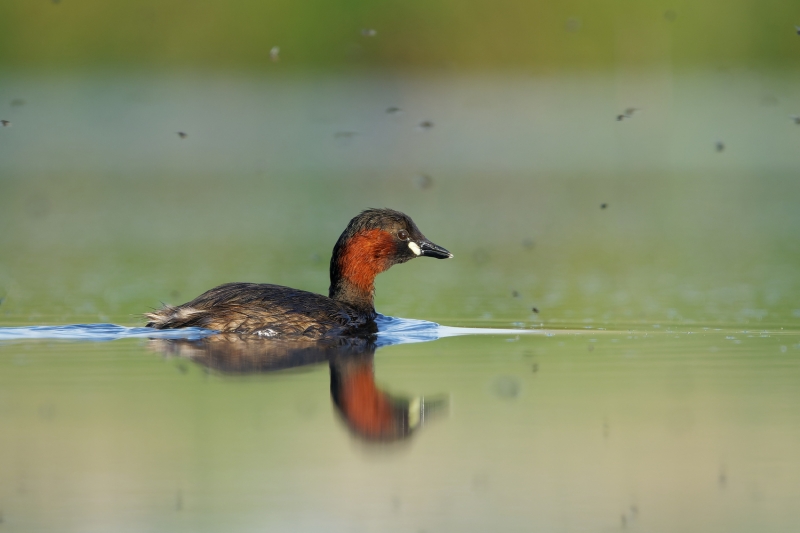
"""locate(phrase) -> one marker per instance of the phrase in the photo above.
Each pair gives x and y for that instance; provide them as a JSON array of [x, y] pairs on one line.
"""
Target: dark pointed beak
[[428, 249]]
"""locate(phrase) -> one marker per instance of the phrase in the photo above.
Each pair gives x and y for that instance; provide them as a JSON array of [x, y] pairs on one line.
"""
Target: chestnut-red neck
[[355, 265]]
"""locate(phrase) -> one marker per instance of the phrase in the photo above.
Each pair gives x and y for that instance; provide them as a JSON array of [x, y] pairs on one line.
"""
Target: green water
[[674, 432], [665, 400]]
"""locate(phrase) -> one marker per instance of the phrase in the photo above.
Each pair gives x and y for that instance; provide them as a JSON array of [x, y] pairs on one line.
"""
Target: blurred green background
[[670, 239], [107, 212], [475, 34]]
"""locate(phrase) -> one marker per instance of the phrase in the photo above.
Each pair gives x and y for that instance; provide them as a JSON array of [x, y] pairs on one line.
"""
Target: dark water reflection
[[370, 413]]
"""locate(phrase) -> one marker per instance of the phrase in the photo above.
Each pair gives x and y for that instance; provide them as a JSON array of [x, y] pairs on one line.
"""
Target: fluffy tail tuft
[[169, 317]]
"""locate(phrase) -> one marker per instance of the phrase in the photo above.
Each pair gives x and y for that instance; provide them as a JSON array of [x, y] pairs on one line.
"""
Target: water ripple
[[97, 333], [391, 330]]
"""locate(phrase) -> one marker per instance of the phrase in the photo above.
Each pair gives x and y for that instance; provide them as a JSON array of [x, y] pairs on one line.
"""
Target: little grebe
[[372, 242]]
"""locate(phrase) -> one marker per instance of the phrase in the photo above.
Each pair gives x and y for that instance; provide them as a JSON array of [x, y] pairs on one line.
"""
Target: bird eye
[[402, 235]]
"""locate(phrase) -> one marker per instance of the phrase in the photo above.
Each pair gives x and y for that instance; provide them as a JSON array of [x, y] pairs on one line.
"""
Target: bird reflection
[[369, 412]]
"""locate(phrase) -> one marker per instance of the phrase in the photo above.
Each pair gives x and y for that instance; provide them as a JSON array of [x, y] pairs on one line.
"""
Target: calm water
[[655, 387], [660, 430]]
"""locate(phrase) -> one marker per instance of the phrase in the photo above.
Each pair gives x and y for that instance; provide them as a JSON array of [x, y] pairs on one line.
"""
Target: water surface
[[658, 430]]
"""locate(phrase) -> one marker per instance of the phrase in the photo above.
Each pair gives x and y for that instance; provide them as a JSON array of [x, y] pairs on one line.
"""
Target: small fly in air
[[182, 134], [628, 113], [719, 146], [424, 181], [5, 123], [603, 206], [426, 124], [797, 29], [368, 32], [275, 54], [795, 119], [393, 110]]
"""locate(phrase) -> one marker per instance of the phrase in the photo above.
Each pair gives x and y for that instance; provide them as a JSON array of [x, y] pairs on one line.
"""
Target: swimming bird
[[373, 241]]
